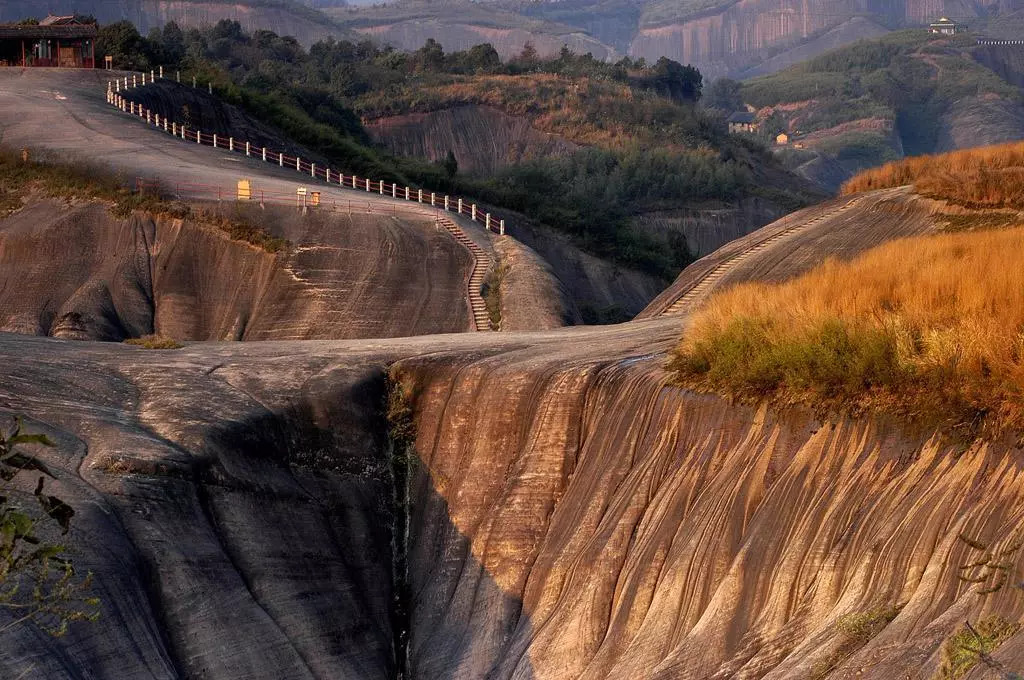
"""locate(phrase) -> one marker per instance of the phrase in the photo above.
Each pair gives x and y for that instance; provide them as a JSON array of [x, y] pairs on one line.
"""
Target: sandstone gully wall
[[651, 533]]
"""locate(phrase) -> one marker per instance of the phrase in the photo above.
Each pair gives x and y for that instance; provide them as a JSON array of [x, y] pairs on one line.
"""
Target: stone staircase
[[708, 282], [481, 265]]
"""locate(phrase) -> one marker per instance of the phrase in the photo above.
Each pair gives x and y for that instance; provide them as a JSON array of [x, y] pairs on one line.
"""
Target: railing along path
[[429, 204]]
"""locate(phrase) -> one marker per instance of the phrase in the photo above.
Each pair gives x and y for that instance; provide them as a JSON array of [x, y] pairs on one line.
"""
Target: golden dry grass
[[929, 327], [985, 177]]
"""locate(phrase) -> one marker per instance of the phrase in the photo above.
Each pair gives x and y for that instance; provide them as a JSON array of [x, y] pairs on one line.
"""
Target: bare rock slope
[[346, 276], [566, 512]]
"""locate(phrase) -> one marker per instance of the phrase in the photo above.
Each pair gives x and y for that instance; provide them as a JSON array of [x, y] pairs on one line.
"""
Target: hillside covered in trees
[[906, 93]]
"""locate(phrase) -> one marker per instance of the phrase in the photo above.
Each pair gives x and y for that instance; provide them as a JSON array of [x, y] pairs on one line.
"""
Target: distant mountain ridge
[[736, 38]]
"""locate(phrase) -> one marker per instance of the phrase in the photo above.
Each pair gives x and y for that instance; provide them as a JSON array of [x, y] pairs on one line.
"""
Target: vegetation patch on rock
[[930, 328], [154, 342]]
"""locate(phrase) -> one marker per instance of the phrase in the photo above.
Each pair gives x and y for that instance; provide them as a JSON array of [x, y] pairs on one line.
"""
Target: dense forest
[[668, 152]]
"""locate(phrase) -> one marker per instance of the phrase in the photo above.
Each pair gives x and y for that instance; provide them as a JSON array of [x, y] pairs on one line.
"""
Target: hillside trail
[[90, 130]]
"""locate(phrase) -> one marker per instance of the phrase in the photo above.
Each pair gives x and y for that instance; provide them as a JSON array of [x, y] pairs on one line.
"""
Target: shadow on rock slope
[[253, 540]]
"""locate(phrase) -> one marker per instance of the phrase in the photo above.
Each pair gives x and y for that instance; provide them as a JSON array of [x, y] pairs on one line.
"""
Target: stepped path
[[72, 120]]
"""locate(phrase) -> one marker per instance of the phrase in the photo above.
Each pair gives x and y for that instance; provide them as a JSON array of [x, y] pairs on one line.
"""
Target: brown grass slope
[[930, 327], [986, 177]]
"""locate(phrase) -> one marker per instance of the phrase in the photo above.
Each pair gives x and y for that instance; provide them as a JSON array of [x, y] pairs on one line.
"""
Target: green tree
[[723, 94], [673, 80], [122, 41], [37, 580]]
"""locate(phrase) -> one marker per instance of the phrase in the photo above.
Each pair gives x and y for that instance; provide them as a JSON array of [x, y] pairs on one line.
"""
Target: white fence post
[[199, 138], [474, 212], [460, 206], [407, 193], [143, 79], [380, 186], [312, 169], [135, 82], [446, 203], [431, 199], [501, 227], [264, 154], [419, 196], [248, 149], [231, 143], [487, 222], [161, 71], [367, 183], [214, 140], [280, 159], [298, 164], [394, 190]]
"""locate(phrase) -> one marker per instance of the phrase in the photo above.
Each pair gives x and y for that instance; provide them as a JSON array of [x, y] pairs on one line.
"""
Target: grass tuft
[[154, 342], [930, 328]]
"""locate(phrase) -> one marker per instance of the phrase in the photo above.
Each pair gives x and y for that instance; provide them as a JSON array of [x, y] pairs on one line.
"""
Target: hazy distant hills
[[739, 38]]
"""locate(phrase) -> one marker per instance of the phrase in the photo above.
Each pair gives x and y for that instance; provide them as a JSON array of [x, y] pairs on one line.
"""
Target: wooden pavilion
[[54, 41]]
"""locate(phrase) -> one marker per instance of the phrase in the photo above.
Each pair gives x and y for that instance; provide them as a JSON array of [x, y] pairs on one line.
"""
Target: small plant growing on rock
[[855, 630], [974, 644], [154, 342], [38, 583]]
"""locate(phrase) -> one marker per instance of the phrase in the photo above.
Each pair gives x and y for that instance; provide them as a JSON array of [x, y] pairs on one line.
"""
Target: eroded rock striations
[[79, 272]]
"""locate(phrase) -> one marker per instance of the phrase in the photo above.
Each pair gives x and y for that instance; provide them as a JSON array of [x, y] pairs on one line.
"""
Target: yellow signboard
[[244, 190]]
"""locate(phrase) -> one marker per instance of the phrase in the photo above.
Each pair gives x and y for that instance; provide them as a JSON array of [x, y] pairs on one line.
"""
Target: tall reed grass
[[985, 177], [931, 328]]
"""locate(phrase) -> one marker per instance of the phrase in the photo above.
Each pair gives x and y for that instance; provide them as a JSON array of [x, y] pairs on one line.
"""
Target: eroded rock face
[[650, 533], [753, 37], [79, 272], [508, 41], [482, 138]]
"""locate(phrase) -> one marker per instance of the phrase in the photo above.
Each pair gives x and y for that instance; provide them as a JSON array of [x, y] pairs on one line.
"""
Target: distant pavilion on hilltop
[[944, 26]]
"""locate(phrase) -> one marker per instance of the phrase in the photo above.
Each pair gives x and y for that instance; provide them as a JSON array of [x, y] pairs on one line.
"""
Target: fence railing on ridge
[[331, 177]]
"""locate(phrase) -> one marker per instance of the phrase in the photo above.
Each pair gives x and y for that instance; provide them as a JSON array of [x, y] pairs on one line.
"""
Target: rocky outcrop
[[979, 122], [78, 272], [483, 139], [563, 512]]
